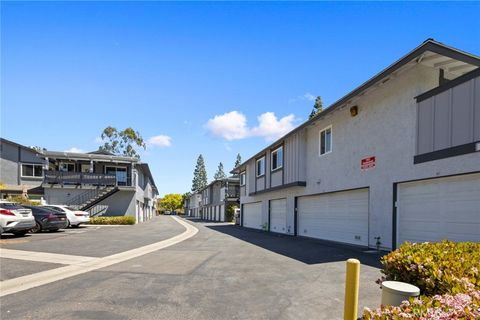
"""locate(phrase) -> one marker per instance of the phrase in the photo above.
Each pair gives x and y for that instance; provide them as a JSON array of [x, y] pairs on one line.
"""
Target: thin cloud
[[229, 126], [233, 126], [272, 128], [75, 150], [304, 97], [161, 141]]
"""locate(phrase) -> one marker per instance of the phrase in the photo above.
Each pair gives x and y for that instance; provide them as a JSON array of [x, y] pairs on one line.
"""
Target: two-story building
[[216, 198], [21, 170], [100, 183], [193, 205], [395, 160]]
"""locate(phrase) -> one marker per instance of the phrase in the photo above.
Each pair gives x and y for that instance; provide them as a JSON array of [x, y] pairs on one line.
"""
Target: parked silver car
[[15, 219]]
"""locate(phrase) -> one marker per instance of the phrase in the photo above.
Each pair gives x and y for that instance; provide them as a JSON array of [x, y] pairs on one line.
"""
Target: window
[[261, 166], [32, 170], [243, 178], [66, 167], [277, 158], [326, 140], [119, 172]]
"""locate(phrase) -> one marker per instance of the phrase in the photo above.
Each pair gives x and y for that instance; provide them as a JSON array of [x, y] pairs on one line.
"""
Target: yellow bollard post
[[351, 290]]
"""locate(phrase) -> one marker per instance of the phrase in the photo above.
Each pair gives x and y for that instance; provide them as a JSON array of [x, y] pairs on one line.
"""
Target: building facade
[[395, 160], [100, 183], [212, 202], [217, 197], [21, 170]]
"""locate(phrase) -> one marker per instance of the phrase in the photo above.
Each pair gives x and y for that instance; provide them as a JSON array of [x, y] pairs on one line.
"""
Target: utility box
[[394, 292]]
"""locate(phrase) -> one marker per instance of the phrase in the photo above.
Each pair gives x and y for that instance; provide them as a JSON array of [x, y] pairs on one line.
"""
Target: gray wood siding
[[260, 183], [276, 178], [450, 118], [294, 156], [251, 181], [243, 191]]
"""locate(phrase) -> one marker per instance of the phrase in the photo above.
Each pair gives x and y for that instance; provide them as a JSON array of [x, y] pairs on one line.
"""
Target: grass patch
[[120, 220]]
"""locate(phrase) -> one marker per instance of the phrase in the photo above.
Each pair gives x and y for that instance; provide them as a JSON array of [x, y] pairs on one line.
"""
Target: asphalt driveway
[[223, 272]]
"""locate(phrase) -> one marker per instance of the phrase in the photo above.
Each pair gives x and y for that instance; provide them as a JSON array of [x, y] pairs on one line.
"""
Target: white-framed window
[[260, 166], [32, 170], [277, 158], [326, 140], [66, 167], [243, 178]]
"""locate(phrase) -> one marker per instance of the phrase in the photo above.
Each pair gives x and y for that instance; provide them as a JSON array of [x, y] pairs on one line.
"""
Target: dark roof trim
[[3, 140], [101, 152], [429, 45], [229, 179], [146, 169], [448, 85], [284, 186]]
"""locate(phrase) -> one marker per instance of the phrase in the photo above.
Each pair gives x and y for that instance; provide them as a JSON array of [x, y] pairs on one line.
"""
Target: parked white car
[[15, 219], [75, 217]]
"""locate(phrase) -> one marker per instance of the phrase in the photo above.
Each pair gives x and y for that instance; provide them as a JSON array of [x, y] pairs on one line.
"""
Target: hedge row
[[436, 268], [122, 220], [440, 307]]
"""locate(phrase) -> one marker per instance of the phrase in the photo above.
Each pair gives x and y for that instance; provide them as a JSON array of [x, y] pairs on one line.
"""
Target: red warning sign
[[367, 163]]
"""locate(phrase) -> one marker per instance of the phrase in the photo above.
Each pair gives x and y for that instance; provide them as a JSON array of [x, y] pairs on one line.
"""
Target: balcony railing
[[233, 192], [78, 178]]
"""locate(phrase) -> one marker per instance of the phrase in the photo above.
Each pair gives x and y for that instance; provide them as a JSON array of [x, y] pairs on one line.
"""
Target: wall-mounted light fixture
[[353, 111]]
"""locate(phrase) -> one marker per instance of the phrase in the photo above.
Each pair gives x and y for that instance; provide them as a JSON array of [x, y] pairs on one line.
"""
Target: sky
[[214, 78]]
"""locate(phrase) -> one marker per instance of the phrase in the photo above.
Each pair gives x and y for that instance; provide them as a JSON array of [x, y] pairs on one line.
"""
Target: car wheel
[[68, 224], [20, 233], [37, 228], [54, 230], [75, 225]]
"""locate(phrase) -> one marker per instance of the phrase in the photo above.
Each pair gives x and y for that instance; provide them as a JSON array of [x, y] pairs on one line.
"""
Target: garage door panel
[[341, 216], [252, 215], [278, 215], [437, 209]]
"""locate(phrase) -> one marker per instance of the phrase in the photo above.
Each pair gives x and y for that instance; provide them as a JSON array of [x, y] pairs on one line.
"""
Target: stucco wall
[[385, 127], [119, 204], [10, 165]]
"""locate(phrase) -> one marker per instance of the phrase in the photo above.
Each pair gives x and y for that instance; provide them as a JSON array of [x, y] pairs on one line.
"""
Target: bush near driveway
[[436, 268], [447, 274], [121, 220], [439, 307]]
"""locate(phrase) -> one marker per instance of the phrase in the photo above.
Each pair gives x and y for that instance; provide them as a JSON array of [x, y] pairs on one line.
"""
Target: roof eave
[[428, 45]]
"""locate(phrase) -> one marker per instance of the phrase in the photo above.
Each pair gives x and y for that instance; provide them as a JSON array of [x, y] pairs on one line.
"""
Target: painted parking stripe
[[44, 256], [19, 284]]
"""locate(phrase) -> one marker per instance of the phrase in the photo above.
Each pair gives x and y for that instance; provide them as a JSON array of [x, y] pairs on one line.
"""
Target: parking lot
[[223, 272]]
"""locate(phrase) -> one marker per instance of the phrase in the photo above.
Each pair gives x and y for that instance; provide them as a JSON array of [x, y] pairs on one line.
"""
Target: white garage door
[[339, 216], [437, 209], [222, 213], [252, 215], [278, 216]]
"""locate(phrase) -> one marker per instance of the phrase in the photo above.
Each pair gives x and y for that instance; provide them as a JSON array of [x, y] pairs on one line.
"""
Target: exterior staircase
[[90, 198]]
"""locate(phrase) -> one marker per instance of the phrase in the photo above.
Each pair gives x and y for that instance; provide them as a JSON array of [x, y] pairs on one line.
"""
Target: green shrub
[[230, 212], [22, 200], [436, 268], [459, 306], [113, 220]]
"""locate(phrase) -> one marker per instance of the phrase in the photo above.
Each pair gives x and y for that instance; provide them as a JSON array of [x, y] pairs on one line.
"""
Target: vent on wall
[[357, 237]]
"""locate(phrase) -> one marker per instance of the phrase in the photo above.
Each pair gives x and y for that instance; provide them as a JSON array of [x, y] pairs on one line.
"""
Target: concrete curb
[[23, 283]]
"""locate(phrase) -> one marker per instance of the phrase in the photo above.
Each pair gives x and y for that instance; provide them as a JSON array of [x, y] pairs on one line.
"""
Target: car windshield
[[70, 208], [10, 205]]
